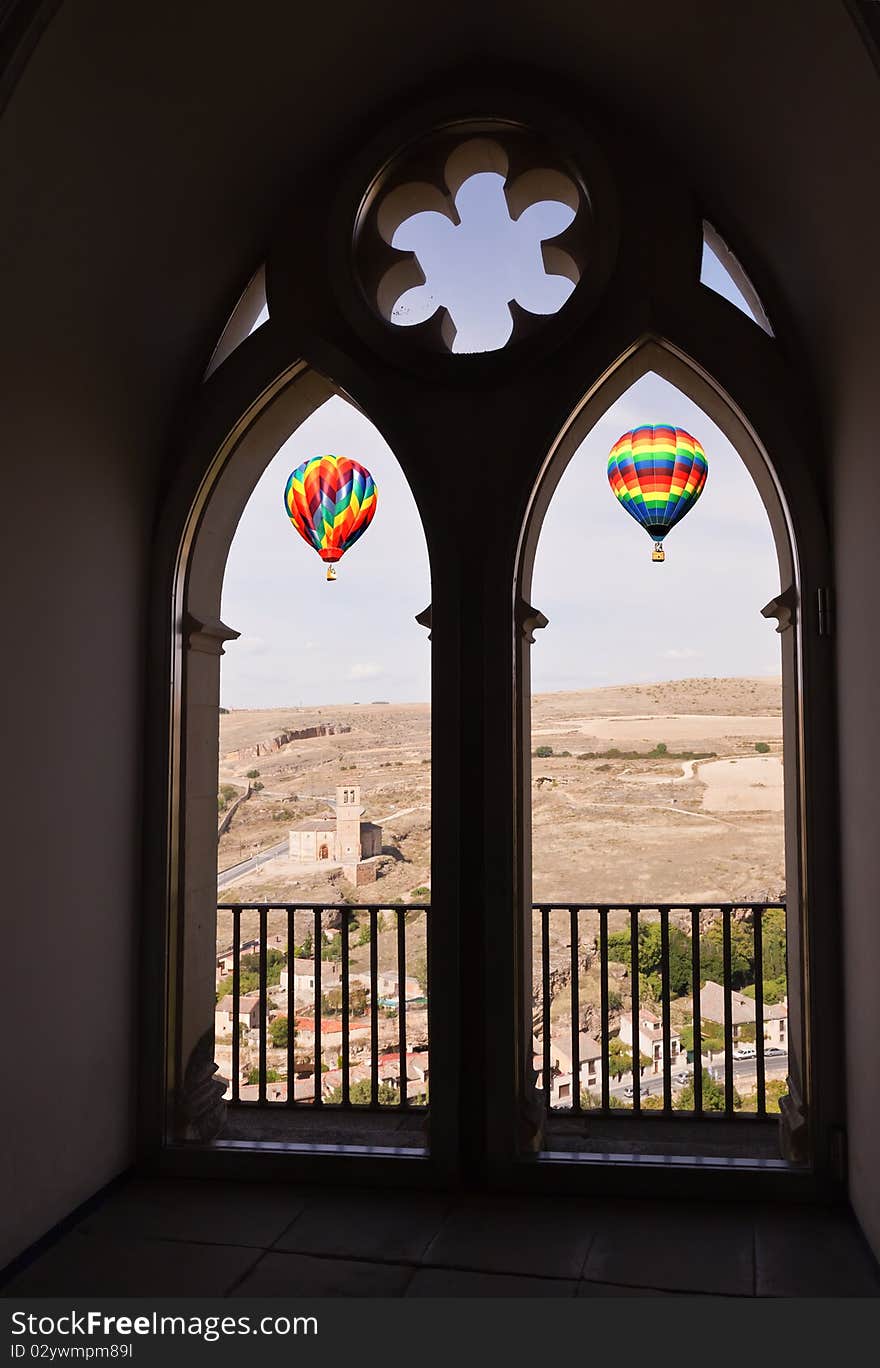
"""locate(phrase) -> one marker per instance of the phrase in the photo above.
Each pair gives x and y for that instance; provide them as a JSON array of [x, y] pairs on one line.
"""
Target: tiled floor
[[181, 1237]]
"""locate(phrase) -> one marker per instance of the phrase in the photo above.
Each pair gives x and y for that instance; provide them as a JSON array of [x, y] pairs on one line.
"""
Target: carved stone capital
[[424, 619], [783, 608], [529, 620], [207, 636], [794, 1128], [532, 1114], [202, 1111]]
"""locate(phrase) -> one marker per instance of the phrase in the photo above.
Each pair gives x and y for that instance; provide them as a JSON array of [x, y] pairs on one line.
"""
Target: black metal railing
[[581, 946], [362, 1051]]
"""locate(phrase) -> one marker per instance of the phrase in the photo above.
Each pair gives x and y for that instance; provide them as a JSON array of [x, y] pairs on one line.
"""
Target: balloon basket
[[331, 572], [658, 554]]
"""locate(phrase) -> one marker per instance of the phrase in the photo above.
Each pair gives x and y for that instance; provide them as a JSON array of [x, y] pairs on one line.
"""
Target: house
[[590, 1058], [248, 1013], [650, 1038], [304, 979], [226, 958], [387, 986], [742, 1013]]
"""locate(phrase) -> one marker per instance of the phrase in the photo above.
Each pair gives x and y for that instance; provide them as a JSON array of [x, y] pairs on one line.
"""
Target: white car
[[681, 1078], [745, 1052]]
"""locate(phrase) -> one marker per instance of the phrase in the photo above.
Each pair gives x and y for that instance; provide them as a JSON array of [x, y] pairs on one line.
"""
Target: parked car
[[681, 1078], [745, 1052], [629, 1090], [774, 1050]]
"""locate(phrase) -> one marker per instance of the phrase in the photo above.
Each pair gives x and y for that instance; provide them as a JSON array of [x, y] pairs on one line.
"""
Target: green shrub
[[761, 747], [543, 752]]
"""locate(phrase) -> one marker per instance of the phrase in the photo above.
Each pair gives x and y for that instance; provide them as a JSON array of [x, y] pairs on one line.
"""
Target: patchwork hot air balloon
[[331, 501], [658, 473]]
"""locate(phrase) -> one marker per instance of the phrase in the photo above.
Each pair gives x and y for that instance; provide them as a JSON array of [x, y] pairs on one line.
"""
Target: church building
[[340, 837]]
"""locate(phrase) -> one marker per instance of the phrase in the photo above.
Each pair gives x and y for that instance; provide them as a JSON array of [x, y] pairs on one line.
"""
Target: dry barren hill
[[639, 792]]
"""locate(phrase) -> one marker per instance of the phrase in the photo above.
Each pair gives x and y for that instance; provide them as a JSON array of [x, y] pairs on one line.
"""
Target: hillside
[[639, 825]]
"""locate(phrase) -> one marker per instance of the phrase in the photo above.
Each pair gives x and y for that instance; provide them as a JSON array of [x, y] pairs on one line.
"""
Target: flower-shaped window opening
[[471, 243], [477, 267]]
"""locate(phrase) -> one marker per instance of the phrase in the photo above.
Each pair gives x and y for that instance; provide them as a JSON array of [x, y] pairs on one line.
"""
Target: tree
[[304, 950], [247, 983], [660, 748], [419, 970], [593, 1102], [278, 1032], [619, 1057], [361, 1094], [761, 747], [275, 962], [713, 1095], [331, 1002], [272, 1075], [711, 1036], [253, 774], [774, 1090]]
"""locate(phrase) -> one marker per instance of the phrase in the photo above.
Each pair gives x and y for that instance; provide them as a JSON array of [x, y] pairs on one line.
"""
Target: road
[[228, 876], [743, 1069]]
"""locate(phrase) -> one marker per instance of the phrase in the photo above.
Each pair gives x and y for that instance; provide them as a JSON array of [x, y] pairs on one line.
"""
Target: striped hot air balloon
[[331, 501], [658, 473]]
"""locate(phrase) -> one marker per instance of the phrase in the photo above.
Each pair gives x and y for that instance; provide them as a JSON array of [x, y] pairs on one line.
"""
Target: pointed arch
[[228, 454], [805, 805]]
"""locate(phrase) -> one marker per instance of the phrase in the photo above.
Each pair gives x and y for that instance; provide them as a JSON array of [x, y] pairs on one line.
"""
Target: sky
[[615, 617]]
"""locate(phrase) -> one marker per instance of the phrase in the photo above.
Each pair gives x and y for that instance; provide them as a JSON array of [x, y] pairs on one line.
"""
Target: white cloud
[[364, 670]]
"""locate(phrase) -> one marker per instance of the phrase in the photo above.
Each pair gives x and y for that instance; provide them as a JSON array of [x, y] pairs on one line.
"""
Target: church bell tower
[[348, 824]]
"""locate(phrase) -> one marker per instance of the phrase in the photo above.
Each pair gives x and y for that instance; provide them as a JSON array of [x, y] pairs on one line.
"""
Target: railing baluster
[[291, 999], [634, 991], [697, 1015], [317, 948], [665, 993], [236, 1004], [401, 1000], [374, 1006], [545, 1001], [603, 979], [758, 934], [575, 1012], [728, 1014], [264, 1006], [345, 970]]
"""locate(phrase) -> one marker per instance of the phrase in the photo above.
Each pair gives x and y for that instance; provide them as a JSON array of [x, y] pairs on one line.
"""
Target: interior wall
[[78, 502], [858, 651], [74, 555]]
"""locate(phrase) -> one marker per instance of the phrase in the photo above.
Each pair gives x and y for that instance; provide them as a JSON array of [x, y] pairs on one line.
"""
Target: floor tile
[[808, 1252], [300, 1275], [675, 1246], [452, 1282], [95, 1266], [196, 1209], [396, 1227], [539, 1237], [596, 1289]]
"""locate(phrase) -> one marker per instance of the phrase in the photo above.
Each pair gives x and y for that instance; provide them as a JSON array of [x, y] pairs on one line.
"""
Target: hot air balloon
[[658, 473], [331, 501]]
